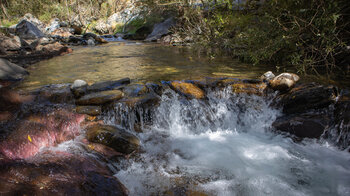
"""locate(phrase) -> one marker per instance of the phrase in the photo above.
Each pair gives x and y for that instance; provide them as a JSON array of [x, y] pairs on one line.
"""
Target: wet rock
[[111, 136], [104, 150], [161, 29], [140, 33], [256, 89], [134, 90], [90, 110], [306, 97], [188, 89], [39, 131], [11, 71], [27, 30], [91, 42], [108, 85], [303, 126], [55, 94], [59, 173], [267, 76], [100, 98], [148, 100], [284, 81]]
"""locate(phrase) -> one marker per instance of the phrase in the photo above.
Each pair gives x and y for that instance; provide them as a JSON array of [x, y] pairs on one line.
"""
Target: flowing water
[[224, 146], [220, 146]]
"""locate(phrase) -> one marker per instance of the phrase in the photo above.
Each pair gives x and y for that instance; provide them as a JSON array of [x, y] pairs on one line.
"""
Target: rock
[[161, 29], [111, 136], [30, 18], [10, 43], [307, 97], [267, 76], [100, 98], [302, 126], [90, 110], [78, 84], [188, 89], [53, 49], [101, 27], [94, 38], [54, 25], [11, 71], [140, 34], [108, 85], [256, 89], [39, 131], [59, 173], [147, 101], [91, 42], [27, 30], [134, 90], [284, 81], [55, 94], [62, 32]]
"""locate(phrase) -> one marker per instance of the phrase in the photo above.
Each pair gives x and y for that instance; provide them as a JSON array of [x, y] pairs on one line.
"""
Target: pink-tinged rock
[[36, 132]]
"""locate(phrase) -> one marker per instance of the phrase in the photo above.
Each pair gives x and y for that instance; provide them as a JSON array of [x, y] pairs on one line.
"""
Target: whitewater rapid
[[225, 146]]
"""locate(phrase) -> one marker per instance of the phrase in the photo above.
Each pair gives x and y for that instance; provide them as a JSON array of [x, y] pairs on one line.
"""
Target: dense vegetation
[[310, 35]]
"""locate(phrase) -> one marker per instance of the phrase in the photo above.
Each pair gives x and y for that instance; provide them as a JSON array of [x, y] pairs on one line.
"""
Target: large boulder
[[38, 131], [100, 98], [161, 29], [27, 30], [111, 136], [11, 71]]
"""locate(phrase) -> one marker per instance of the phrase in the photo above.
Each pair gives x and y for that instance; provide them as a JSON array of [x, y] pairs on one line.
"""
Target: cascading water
[[225, 146]]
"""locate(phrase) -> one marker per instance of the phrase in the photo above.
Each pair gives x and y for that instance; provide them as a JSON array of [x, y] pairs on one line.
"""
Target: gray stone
[[78, 83], [11, 71], [27, 30], [268, 76], [108, 85], [160, 30]]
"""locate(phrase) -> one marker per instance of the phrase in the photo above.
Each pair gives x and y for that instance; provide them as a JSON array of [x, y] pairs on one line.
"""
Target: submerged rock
[[284, 81], [90, 110], [100, 98], [188, 89], [11, 71], [111, 136]]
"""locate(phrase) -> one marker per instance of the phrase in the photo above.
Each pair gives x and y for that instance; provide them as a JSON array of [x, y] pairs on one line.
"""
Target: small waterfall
[[224, 145]]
